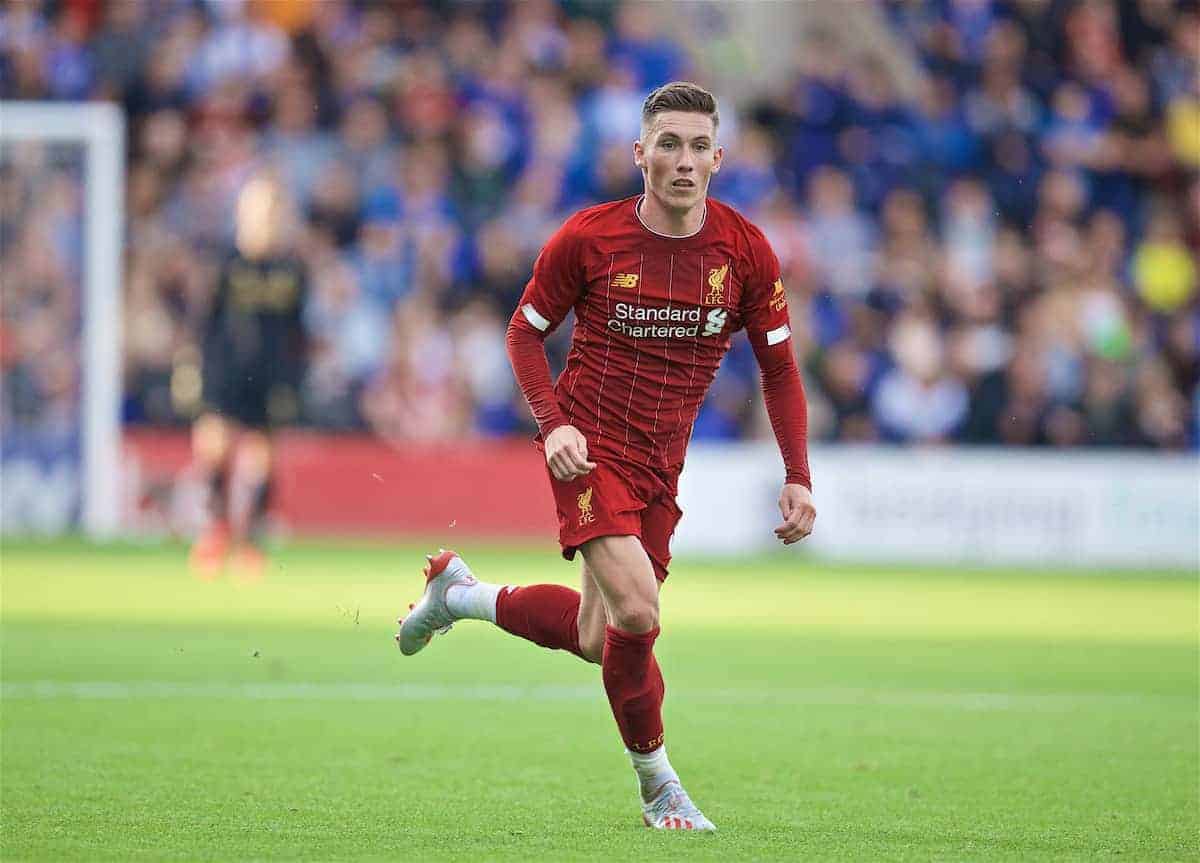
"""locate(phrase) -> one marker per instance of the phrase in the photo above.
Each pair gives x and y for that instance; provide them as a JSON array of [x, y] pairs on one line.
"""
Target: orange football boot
[[206, 560]]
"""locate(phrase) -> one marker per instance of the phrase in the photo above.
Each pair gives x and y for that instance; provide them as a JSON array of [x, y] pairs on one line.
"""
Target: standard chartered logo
[[642, 322]]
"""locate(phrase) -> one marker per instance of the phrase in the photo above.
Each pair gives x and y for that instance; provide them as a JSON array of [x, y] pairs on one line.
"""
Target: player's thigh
[[622, 572], [593, 618]]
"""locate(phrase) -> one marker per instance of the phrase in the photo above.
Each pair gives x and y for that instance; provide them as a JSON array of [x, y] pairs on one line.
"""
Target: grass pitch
[[814, 713]]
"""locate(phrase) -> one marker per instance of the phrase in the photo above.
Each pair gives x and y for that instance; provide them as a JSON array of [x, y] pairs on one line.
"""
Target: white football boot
[[672, 809], [431, 616]]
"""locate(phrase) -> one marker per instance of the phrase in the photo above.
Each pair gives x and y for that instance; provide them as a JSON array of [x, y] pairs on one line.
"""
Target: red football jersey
[[653, 317]]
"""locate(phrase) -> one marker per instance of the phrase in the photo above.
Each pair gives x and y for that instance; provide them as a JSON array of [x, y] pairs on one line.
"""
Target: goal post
[[99, 128]]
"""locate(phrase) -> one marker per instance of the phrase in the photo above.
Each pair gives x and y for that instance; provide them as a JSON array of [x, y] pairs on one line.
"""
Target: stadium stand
[[1002, 250]]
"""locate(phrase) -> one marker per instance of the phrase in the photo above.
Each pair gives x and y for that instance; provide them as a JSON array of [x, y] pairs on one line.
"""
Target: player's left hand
[[796, 506]]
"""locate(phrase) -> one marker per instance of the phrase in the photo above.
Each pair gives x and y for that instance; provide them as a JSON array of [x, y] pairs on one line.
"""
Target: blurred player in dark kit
[[659, 282], [254, 354]]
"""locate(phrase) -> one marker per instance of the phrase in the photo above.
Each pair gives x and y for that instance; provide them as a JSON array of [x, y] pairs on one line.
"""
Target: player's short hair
[[680, 96]]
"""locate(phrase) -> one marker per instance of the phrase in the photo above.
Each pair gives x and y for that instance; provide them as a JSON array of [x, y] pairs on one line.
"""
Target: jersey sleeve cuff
[[552, 425]]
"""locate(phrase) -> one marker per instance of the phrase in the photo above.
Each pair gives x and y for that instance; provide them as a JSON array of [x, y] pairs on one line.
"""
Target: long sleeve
[[527, 353], [767, 325], [547, 298], [783, 392]]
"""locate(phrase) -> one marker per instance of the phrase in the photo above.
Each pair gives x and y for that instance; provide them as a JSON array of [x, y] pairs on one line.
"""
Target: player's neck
[[668, 222]]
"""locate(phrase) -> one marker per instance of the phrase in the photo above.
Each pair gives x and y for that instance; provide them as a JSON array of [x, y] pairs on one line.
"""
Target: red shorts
[[619, 498]]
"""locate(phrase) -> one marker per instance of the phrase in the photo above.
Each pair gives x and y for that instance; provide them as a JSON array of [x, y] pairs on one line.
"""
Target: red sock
[[634, 684], [546, 614]]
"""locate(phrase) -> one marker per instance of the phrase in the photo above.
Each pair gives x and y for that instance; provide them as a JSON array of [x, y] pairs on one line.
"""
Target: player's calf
[[546, 614], [591, 642], [591, 621]]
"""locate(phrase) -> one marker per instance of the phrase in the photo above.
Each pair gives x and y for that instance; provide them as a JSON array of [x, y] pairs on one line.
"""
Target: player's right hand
[[567, 454]]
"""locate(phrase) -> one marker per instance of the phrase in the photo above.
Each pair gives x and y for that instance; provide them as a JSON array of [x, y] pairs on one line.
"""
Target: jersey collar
[[637, 204]]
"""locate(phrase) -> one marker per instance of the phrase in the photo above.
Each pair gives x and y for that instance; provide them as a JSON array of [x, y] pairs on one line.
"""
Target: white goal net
[[61, 223]]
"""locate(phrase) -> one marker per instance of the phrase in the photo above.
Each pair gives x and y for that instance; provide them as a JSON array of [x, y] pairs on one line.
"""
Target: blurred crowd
[[41, 275], [1005, 254]]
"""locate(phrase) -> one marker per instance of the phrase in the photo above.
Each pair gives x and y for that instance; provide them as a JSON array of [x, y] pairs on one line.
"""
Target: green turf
[[815, 713]]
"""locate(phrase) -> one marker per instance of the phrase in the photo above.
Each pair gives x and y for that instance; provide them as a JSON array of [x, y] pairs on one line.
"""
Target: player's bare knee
[[639, 616]]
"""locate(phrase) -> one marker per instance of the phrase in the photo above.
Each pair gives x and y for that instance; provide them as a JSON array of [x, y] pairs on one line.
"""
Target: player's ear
[[718, 157], [639, 154]]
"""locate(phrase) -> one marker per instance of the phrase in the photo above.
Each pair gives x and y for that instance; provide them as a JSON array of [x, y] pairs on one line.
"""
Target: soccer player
[[659, 282], [253, 364]]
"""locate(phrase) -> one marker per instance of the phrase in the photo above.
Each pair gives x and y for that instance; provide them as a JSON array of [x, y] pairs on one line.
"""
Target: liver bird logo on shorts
[[585, 508], [716, 286]]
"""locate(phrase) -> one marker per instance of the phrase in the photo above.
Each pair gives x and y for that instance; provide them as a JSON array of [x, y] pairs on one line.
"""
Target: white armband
[[780, 334], [531, 315]]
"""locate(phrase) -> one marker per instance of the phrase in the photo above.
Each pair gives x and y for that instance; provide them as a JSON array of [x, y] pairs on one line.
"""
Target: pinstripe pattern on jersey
[[636, 359], [666, 346], [608, 342]]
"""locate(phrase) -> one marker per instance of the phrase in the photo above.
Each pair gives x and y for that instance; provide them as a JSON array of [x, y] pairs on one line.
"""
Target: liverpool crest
[[585, 508], [716, 286]]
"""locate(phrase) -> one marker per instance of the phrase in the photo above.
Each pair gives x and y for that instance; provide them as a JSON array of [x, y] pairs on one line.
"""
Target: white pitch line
[[100, 690]]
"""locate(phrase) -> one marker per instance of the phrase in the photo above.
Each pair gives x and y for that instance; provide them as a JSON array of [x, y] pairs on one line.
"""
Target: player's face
[[678, 154]]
